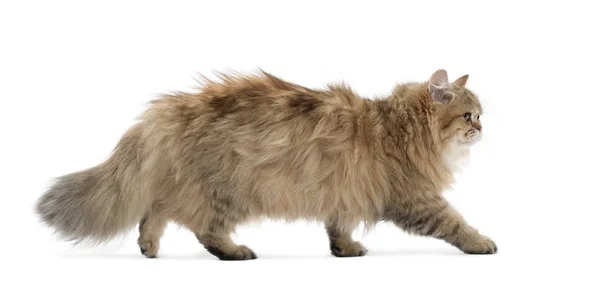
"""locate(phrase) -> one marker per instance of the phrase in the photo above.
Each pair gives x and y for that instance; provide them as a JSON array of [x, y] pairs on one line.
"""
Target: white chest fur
[[456, 155]]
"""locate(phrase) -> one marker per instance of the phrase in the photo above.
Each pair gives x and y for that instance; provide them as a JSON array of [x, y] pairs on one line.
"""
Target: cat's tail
[[97, 204]]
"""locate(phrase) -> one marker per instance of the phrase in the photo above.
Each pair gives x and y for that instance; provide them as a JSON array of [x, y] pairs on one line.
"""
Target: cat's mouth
[[471, 137]]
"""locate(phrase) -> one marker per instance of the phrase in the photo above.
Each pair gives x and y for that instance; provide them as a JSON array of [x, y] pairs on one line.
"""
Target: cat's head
[[457, 113], [456, 110]]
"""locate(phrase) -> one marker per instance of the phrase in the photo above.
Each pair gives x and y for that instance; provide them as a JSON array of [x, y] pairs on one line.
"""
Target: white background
[[74, 75]]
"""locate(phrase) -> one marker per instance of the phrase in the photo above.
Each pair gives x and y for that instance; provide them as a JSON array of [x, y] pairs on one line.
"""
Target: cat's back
[[255, 103]]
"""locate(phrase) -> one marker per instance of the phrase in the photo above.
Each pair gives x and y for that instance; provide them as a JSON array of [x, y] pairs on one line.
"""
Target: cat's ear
[[438, 85], [462, 81]]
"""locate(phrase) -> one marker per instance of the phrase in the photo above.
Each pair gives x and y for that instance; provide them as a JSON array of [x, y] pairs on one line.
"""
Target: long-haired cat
[[253, 146]]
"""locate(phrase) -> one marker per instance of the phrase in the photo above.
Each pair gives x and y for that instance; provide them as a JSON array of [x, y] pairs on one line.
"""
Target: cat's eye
[[478, 117], [467, 116]]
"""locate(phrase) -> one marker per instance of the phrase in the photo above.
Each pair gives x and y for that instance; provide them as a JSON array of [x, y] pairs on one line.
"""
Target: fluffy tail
[[99, 203]]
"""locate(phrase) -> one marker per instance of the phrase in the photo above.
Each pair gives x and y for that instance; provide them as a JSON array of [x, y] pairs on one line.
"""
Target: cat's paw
[[243, 253], [240, 252], [479, 245], [343, 248], [148, 248]]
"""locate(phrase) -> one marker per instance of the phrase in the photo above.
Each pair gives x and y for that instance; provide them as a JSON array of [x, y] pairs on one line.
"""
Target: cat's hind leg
[[341, 243], [217, 240], [151, 228], [221, 246]]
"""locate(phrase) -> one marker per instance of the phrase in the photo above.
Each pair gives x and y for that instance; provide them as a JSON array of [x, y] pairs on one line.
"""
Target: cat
[[249, 146]]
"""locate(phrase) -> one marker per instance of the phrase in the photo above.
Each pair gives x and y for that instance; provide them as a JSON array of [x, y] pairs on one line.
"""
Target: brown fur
[[253, 146]]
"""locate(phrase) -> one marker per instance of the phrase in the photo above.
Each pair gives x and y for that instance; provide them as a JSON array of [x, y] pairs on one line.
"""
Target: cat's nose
[[478, 127]]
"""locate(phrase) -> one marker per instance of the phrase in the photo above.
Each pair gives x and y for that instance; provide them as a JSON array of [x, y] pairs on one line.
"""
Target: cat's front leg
[[438, 219]]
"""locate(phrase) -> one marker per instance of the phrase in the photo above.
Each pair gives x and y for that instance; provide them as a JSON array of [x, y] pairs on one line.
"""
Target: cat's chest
[[456, 155]]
